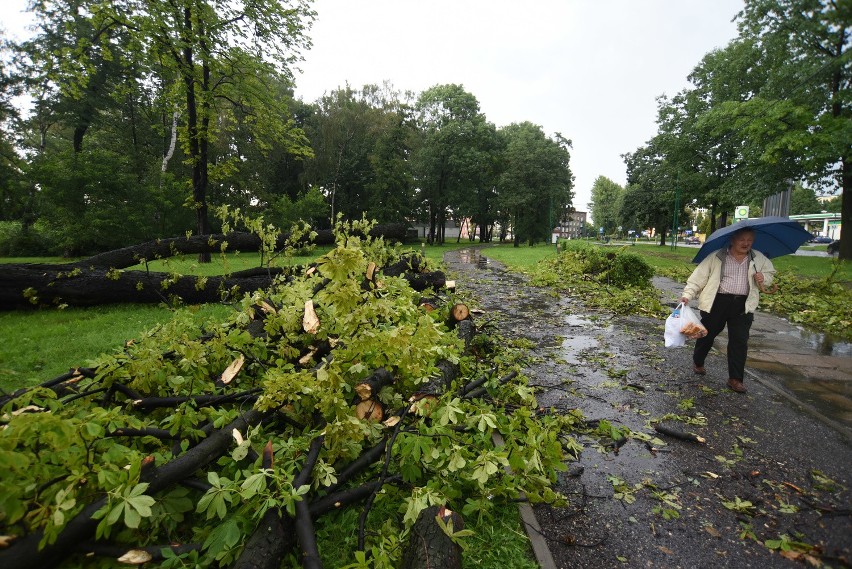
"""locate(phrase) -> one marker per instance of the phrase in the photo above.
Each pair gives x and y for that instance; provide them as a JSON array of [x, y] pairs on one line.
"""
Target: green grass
[[41, 344], [809, 267], [50, 260], [520, 258]]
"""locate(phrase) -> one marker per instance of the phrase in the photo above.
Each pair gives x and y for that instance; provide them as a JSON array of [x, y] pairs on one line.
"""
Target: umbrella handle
[[772, 290]]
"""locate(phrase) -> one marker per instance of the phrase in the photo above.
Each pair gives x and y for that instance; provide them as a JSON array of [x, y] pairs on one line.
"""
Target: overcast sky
[[588, 69]]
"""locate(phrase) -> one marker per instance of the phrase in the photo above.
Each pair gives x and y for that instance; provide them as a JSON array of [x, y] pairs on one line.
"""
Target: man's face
[[741, 244]]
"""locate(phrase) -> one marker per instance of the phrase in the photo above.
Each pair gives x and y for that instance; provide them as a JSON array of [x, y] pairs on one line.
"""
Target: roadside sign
[[741, 212]]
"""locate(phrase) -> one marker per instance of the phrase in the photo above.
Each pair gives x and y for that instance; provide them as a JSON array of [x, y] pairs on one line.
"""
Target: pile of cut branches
[[229, 446]]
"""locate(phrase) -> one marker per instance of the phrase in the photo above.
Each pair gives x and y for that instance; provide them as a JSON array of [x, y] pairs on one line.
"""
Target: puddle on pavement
[[831, 398], [473, 257], [824, 344], [577, 320], [572, 346]]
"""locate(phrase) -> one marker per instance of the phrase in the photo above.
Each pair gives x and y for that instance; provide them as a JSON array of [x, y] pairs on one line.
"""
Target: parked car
[[821, 239], [833, 247], [692, 241]]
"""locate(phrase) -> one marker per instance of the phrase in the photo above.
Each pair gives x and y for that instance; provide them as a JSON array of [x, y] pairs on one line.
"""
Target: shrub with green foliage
[[613, 279], [68, 450], [630, 270], [823, 304], [17, 242]]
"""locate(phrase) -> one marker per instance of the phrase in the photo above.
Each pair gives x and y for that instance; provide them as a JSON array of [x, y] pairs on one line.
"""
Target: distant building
[[571, 225]]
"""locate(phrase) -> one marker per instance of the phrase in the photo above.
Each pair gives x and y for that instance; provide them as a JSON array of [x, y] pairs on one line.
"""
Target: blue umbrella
[[773, 236]]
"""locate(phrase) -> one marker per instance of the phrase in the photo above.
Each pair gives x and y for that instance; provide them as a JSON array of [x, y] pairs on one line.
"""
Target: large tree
[[362, 141], [653, 184], [536, 182], [606, 197], [456, 143], [219, 59], [817, 86], [803, 201]]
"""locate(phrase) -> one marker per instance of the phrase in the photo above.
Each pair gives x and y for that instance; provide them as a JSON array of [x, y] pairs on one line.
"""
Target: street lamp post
[[675, 218]]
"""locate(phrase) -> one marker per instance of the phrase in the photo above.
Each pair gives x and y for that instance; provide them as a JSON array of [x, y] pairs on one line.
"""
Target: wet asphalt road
[[767, 469]]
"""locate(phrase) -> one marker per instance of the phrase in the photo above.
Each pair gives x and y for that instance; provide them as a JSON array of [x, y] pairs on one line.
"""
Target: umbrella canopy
[[773, 236]]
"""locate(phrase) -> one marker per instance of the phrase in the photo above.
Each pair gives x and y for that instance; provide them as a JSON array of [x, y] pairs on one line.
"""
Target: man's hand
[[684, 300], [758, 278]]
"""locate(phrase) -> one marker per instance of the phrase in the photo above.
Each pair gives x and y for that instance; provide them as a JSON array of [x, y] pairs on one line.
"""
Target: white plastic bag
[[691, 325], [673, 336]]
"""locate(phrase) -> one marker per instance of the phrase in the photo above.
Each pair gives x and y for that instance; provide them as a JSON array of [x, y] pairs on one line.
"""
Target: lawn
[[41, 344]]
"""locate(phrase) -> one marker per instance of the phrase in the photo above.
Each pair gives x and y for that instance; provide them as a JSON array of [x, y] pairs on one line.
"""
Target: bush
[[15, 242], [607, 278], [629, 269]]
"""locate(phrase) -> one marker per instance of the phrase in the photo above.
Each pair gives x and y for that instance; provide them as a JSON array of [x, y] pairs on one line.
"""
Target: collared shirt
[[735, 276]]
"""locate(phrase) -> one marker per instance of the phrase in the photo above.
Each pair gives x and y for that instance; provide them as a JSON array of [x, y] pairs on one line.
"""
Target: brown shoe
[[699, 370], [736, 385]]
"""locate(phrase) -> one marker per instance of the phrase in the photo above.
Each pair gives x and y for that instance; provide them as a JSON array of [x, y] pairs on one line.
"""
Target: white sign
[[741, 212]]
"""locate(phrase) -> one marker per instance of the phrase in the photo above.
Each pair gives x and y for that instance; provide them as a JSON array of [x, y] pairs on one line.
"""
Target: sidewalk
[[759, 475], [802, 366]]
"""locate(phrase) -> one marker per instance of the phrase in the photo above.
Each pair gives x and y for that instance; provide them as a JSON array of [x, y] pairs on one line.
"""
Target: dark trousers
[[728, 309]]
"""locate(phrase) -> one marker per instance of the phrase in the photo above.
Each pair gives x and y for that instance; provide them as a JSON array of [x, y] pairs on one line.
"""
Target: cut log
[[429, 546], [369, 388], [370, 410], [458, 312]]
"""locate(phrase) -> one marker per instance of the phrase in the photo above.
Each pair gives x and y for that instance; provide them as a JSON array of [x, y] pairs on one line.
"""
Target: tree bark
[[237, 241], [96, 280], [271, 541], [429, 547]]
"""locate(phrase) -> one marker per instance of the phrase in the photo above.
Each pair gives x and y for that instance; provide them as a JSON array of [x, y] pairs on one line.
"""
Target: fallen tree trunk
[[236, 241], [100, 279], [24, 286], [430, 547], [30, 285]]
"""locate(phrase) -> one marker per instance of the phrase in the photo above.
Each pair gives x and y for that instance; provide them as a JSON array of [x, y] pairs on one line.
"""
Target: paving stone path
[[767, 469]]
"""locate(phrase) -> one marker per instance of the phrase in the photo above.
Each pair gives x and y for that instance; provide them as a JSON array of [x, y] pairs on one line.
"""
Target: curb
[[842, 430], [531, 526]]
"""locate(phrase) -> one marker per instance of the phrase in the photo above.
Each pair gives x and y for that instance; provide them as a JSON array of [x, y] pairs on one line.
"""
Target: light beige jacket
[[703, 283]]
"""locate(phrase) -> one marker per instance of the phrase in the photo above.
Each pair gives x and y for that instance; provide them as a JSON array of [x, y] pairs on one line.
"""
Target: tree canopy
[[770, 109]]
